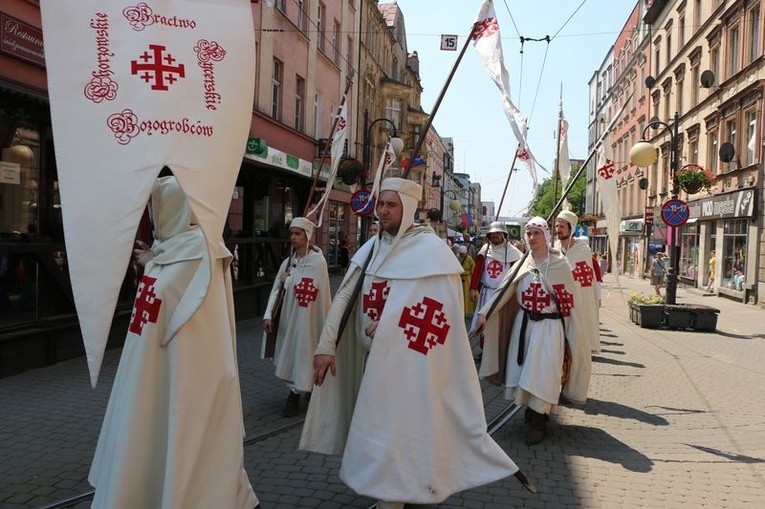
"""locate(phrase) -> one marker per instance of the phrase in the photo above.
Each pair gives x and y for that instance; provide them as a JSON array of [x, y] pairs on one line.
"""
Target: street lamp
[[644, 154], [397, 144]]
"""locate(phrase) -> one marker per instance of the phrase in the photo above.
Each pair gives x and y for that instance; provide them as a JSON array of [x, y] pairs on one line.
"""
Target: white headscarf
[[410, 193], [304, 224], [568, 216], [538, 222]]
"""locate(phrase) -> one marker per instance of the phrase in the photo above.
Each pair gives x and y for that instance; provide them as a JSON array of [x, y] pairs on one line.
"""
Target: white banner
[[134, 87]]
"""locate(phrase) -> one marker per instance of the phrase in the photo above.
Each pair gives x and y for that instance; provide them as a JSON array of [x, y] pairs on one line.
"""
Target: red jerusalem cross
[[485, 28], [424, 325], [374, 301], [154, 68], [494, 269], [305, 292], [565, 299], [146, 306], [535, 298], [607, 170], [583, 273]]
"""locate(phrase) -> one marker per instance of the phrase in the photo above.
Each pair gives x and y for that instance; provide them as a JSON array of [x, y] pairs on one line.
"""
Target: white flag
[[488, 44], [134, 88], [387, 158], [336, 152], [609, 198]]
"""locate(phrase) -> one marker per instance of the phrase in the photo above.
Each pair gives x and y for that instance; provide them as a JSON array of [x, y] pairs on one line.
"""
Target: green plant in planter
[[641, 298], [349, 170], [693, 178]]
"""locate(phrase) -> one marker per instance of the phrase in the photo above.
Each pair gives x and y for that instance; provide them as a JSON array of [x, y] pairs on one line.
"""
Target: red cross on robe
[[425, 325], [146, 306], [306, 292], [535, 298]]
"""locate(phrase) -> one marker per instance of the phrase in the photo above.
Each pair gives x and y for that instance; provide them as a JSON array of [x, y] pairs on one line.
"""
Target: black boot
[[292, 407], [537, 427]]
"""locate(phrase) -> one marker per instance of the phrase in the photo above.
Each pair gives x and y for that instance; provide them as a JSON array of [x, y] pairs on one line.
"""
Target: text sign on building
[[675, 213], [449, 42], [648, 215], [730, 205], [21, 40]]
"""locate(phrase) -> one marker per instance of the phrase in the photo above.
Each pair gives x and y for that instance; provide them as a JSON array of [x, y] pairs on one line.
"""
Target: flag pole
[[507, 183], [556, 176], [327, 148], [424, 130], [517, 265]]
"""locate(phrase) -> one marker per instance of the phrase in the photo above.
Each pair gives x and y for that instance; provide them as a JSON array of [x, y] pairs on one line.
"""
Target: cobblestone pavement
[[674, 419]]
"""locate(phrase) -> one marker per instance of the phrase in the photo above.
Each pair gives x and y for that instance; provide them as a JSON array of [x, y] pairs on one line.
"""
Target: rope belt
[[530, 315]]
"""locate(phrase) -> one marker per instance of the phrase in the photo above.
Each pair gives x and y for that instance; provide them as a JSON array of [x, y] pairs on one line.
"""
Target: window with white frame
[[712, 152], [754, 34], [320, 25], [393, 111], [277, 79], [750, 121], [317, 115], [730, 132], [733, 49], [301, 17], [299, 103], [336, 43]]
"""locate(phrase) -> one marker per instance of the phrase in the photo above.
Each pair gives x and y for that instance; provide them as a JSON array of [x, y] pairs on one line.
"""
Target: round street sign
[[362, 202], [675, 213]]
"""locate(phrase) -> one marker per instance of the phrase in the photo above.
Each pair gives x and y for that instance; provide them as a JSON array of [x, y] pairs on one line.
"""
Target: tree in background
[[544, 202]]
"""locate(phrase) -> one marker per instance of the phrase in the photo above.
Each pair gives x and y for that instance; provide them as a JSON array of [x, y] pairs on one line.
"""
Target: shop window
[[336, 230], [734, 254], [689, 252]]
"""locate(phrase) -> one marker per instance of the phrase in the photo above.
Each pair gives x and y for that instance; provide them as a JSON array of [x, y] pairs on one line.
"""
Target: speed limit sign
[[449, 42]]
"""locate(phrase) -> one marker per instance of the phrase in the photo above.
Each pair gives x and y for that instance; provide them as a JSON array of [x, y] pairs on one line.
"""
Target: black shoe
[[292, 407], [536, 430]]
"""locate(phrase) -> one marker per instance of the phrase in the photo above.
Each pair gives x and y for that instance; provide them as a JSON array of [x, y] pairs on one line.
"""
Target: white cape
[[418, 432], [304, 310], [579, 258]]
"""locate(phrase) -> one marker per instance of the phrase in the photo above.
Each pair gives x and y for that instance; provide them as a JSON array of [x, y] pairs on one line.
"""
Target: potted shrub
[[692, 178], [647, 311], [349, 170]]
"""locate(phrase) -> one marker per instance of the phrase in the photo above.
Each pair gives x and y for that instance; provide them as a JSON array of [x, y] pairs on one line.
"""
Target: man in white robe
[[410, 423], [538, 313], [173, 429], [493, 261], [579, 257], [306, 300]]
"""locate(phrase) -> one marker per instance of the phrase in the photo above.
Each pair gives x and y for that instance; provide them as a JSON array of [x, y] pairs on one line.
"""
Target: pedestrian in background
[[344, 252], [306, 300], [658, 271], [467, 262], [712, 267]]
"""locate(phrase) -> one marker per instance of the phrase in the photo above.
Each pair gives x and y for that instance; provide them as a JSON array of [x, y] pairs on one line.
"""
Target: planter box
[[704, 318], [650, 316], [678, 317]]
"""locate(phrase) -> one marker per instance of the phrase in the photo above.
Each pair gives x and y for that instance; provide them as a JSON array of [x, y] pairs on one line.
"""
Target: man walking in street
[[658, 271], [304, 279], [582, 263], [537, 313], [393, 418]]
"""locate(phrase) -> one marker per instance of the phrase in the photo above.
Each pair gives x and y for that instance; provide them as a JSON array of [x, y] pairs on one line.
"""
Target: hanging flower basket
[[349, 170], [694, 178]]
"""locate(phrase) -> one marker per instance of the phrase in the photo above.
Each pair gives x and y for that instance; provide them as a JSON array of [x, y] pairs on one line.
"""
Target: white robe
[[537, 380], [418, 429], [304, 309], [579, 258], [173, 429], [496, 262]]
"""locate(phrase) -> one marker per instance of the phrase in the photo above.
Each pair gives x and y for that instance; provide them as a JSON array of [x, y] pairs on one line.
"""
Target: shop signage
[[674, 213], [648, 215], [10, 173], [598, 232], [722, 206], [279, 159], [21, 40], [631, 227]]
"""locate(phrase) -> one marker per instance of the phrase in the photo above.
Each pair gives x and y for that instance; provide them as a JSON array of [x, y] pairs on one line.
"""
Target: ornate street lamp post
[[644, 154], [396, 143]]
